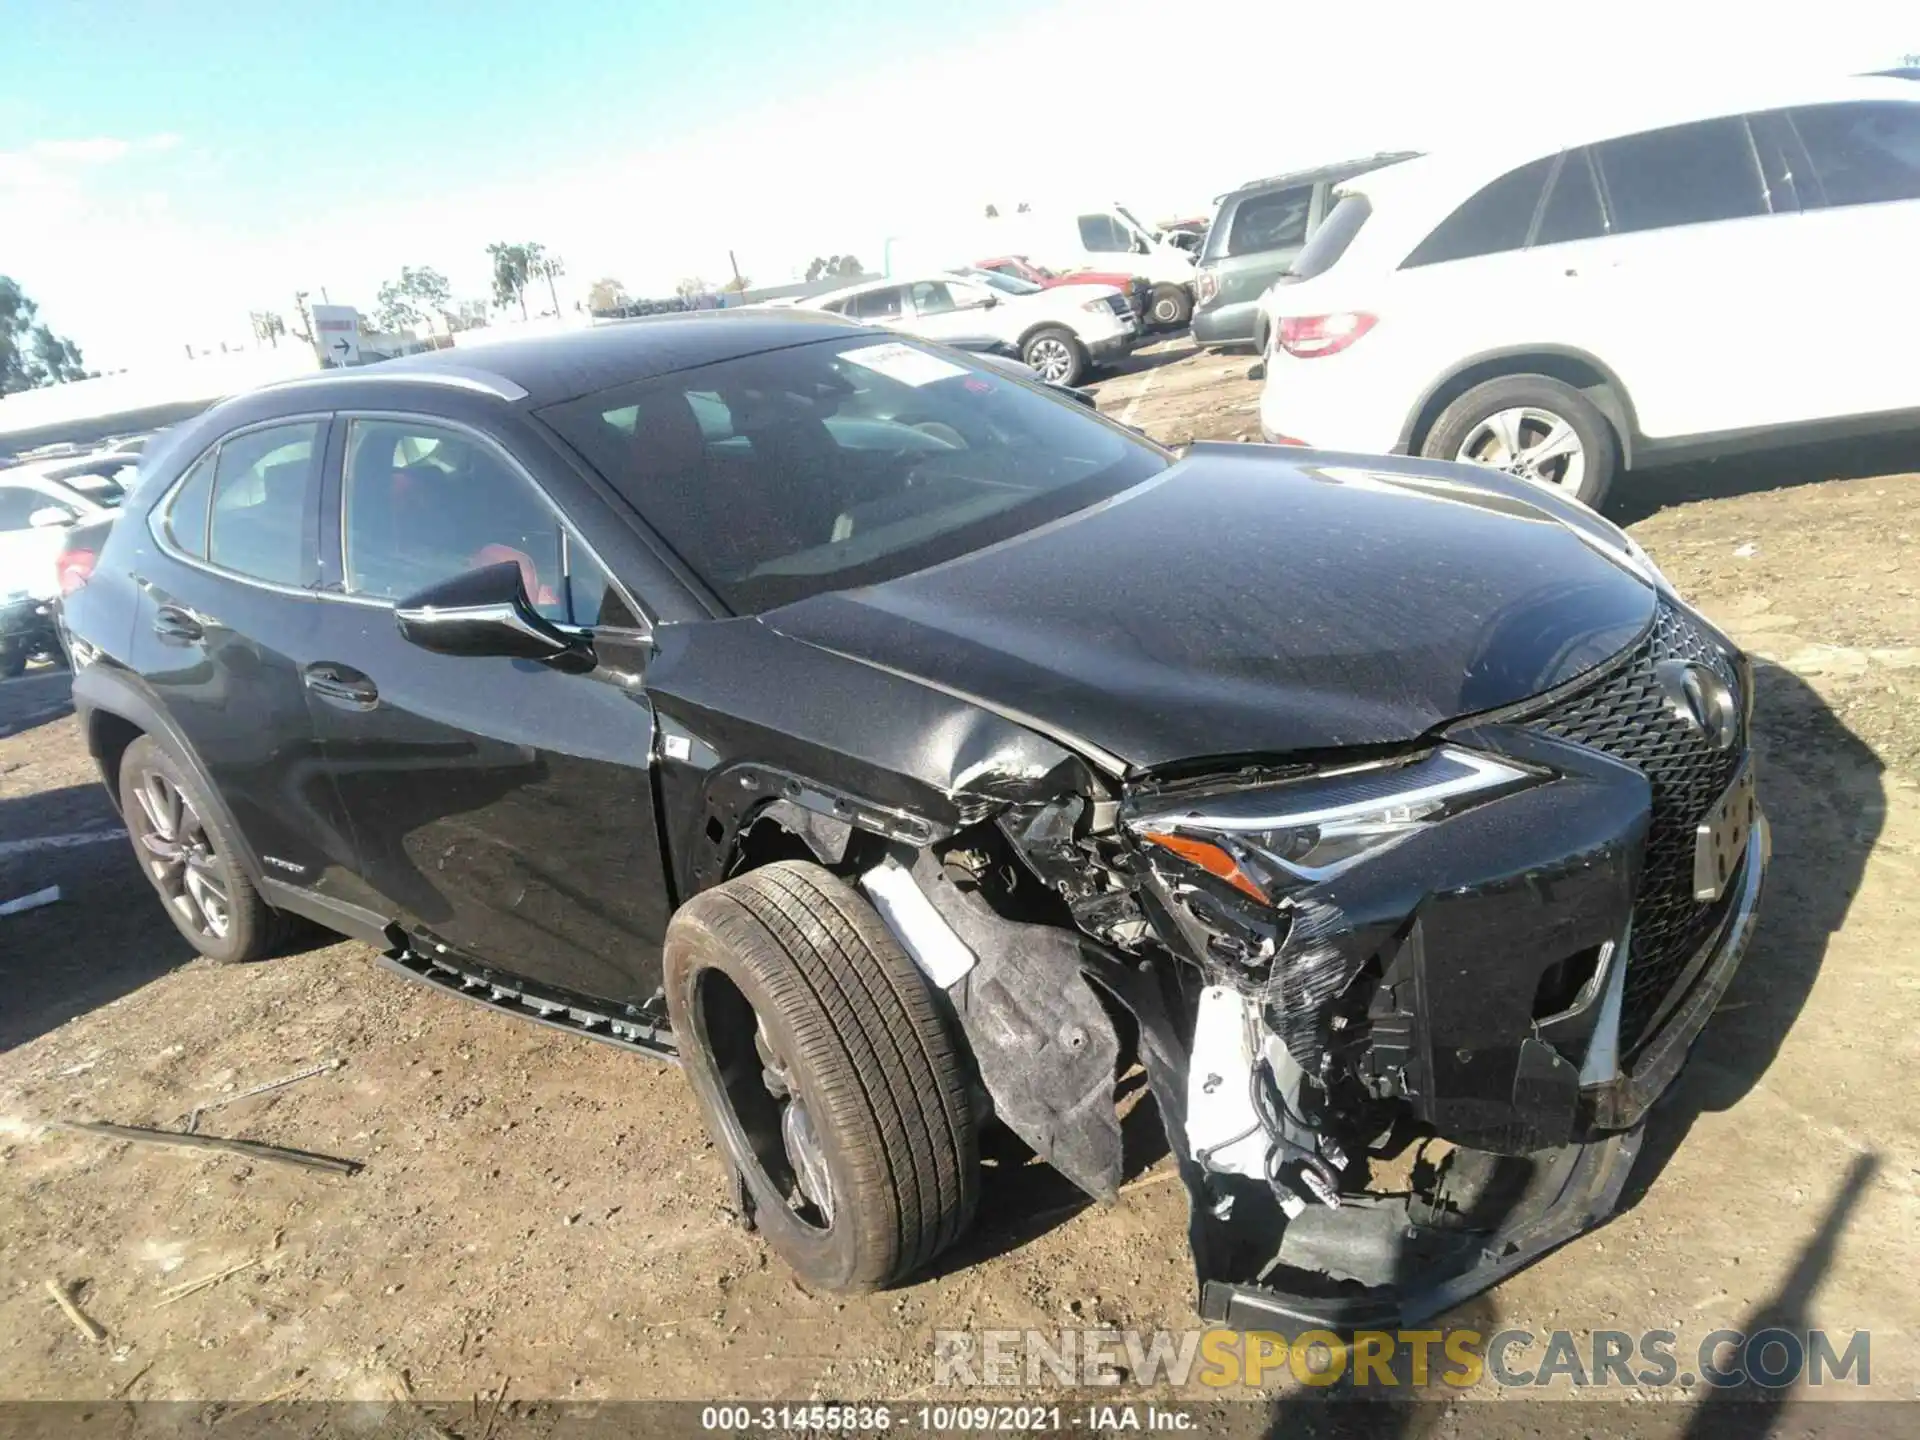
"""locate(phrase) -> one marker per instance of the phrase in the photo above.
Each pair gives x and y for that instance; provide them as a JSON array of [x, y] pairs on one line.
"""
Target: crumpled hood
[[1251, 602]]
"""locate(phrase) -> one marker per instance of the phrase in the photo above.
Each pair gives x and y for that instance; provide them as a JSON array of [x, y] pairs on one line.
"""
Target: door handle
[[342, 683], [170, 622]]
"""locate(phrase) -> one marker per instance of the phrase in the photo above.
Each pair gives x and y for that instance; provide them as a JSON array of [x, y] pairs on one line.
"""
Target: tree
[[267, 326], [414, 299], [512, 266], [606, 294], [31, 355], [833, 267], [738, 285], [692, 288], [468, 315], [549, 268]]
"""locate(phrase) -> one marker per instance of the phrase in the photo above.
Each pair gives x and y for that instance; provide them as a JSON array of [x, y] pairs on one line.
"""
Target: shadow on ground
[[1823, 790], [37, 698], [1646, 492], [103, 938]]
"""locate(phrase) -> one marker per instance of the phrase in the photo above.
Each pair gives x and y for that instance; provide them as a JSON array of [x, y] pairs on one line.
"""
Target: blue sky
[[166, 167]]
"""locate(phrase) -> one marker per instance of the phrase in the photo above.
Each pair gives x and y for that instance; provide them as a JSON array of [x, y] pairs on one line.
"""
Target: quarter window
[[422, 504], [1864, 154], [1494, 219], [186, 518], [1683, 175], [1275, 221], [261, 482]]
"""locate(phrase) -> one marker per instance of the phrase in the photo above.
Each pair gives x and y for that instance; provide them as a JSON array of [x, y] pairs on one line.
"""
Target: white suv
[[1061, 331], [1693, 284]]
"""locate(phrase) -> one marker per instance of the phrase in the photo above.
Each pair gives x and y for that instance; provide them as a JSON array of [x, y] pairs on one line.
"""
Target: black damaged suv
[[907, 749]]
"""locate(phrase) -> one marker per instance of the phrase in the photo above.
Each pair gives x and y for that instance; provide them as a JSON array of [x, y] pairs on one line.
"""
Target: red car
[[1134, 287]]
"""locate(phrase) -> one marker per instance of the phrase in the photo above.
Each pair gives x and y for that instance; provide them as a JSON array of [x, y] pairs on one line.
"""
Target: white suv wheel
[[1532, 443]]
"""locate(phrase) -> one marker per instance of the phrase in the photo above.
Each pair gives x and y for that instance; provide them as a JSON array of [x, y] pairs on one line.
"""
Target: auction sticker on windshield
[[903, 363]]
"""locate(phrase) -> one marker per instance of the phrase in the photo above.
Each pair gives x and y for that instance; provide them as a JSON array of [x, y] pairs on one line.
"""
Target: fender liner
[[1042, 1041]]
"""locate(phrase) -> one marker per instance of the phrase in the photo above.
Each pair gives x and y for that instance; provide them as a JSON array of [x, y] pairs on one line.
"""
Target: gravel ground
[[538, 1207]]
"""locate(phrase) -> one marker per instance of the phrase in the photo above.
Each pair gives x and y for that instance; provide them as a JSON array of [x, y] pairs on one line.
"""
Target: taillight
[[76, 568], [1310, 336], [1206, 285]]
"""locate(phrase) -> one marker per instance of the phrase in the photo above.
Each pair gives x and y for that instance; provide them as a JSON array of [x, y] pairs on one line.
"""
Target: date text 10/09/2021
[[1012, 1419]]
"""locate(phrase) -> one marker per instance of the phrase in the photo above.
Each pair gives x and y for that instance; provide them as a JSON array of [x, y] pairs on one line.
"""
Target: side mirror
[[49, 516], [487, 612]]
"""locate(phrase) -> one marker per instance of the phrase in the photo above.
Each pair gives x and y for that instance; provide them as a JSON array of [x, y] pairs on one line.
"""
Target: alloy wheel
[[1051, 357], [769, 1111], [181, 857], [1532, 443]]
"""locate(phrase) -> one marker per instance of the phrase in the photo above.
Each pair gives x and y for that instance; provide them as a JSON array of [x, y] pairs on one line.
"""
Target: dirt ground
[[539, 1207]]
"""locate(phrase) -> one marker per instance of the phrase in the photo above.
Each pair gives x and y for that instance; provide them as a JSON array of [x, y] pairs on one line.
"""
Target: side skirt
[[573, 1014]]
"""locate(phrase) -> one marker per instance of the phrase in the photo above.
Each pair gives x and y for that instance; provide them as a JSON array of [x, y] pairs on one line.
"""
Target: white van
[[1065, 240]]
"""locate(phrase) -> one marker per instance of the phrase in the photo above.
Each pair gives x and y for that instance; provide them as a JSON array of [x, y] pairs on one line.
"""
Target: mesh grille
[[1625, 716]]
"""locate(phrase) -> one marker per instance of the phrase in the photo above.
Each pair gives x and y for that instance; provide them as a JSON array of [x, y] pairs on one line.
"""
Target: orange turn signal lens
[[1210, 858]]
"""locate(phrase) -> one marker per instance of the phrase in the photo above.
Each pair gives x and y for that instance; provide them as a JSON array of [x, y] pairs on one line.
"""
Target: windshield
[[1011, 284], [845, 462]]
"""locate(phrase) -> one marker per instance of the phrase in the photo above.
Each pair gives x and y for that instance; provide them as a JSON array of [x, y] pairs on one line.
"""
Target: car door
[[1694, 307], [949, 309], [226, 622], [1859, 232], [503, 809]]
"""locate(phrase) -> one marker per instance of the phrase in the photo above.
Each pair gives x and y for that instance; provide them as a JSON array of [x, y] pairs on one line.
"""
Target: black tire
[[1600, 447], [1260, 336], [251, 928], [1042, 351], [853, 1031], [1170, 307]]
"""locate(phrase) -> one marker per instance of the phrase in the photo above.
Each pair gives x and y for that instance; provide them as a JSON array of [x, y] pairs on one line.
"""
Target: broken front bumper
[[1389, 1265]]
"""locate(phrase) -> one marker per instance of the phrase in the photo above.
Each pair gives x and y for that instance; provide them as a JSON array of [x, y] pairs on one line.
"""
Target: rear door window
[[931, 297], [1784, 166], [1274, 221], [881, 304], [1572, 211], [17, 506], [1683, 175], [262, 482], [1864, 153]]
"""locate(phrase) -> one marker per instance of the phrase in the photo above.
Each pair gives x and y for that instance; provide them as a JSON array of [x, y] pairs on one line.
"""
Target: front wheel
[[1533, 426], [1171, 306], [191, 858], [1057, 354], [826, 1073]]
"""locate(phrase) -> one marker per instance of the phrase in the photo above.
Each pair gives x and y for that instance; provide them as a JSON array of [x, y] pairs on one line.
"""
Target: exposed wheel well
[[1593, 380], [108, 736]]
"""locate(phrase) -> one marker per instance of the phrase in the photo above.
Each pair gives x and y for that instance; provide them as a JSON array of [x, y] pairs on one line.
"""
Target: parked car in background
[[41, 499], [1137, 288], [906, 751], [1068, 240], [1635, 293], [1256, 232], [1061, 332]]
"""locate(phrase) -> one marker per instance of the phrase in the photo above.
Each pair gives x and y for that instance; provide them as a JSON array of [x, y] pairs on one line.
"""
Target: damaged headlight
[[1270, 840]]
